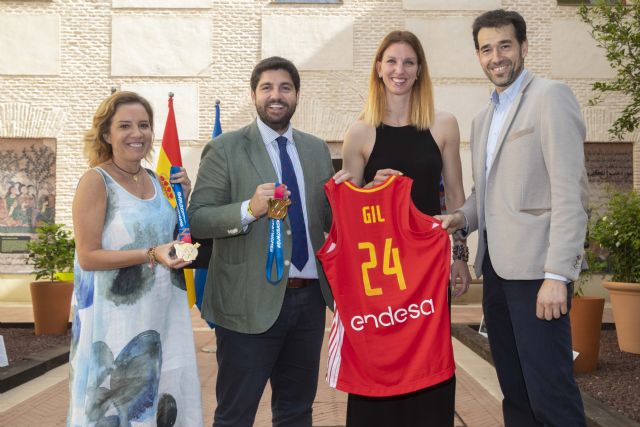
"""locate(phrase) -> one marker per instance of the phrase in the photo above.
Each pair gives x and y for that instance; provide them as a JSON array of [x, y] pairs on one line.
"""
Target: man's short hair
[[500, 18], [275, 63]]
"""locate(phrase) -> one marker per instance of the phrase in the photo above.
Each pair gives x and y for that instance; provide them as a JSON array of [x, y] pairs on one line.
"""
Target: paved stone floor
[[43, 402]]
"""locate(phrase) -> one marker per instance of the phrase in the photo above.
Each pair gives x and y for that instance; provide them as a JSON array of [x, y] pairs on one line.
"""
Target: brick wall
[[85, 79]]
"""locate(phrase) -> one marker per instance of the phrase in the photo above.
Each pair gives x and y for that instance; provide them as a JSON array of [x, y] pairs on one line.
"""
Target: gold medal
[[278, 208], [187, 251]]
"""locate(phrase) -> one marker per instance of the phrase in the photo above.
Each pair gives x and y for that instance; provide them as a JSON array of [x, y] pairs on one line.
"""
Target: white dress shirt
[[310, 270]]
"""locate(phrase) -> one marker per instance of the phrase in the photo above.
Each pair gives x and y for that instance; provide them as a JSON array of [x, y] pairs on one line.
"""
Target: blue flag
[[201, 273], [217, 127]]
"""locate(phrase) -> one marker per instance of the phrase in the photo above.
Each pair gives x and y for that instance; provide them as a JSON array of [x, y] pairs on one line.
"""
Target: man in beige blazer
[[529, 206], [266, 332]]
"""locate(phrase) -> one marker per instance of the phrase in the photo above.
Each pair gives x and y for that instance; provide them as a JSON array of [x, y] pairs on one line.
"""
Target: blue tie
[[300, 251]]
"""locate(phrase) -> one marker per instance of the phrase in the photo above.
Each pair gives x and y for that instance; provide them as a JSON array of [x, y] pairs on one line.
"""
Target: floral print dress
[[132, 352]]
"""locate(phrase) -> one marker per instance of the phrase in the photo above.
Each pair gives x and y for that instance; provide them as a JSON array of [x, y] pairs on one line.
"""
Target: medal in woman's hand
[[185, 249]]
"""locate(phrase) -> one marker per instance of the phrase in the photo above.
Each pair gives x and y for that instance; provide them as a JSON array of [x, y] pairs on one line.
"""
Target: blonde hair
[[422, 108], [96, 148]]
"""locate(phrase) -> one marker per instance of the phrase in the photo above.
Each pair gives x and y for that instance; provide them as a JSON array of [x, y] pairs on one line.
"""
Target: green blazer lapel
[[258, 155]]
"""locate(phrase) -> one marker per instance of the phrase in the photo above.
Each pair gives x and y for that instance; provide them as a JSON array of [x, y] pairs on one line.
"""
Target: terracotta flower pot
[[625, 300], [51, 305], [586, 323]]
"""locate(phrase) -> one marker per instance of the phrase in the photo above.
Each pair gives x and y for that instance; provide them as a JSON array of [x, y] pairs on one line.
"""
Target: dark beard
[[279, 124], [515, 73], [512, 78]]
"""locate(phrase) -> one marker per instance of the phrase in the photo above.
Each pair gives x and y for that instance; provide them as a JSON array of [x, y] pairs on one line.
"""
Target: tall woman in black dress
[[400, 132]]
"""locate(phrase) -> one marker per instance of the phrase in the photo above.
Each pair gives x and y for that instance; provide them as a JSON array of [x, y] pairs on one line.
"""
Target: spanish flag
[[170, 155]]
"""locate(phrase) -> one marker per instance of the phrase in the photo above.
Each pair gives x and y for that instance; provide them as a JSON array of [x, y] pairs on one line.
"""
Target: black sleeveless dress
[[415, 154]]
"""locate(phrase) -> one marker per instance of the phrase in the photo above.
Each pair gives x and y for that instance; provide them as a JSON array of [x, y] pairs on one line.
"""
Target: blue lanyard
[[274, 250], [184, 230]]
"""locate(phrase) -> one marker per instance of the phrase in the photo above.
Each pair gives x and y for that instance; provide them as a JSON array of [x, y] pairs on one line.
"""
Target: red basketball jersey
[[388, 266]]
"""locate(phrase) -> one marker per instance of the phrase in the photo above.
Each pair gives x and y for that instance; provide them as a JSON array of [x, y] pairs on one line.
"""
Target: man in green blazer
[[265, 331]]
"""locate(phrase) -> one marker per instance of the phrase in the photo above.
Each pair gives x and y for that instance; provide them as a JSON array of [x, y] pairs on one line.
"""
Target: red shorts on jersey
[[388, 266]]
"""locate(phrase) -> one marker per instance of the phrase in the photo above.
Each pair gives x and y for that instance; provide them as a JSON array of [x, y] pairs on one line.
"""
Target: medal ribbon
[[184, 230], [274, 249]]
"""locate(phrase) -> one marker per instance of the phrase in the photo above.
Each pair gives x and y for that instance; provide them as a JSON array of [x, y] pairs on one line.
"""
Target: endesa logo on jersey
[[391, 317]]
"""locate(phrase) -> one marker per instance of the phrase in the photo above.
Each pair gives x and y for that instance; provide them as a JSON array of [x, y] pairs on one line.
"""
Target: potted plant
[[586, 317], [51, 253], [618, 234]]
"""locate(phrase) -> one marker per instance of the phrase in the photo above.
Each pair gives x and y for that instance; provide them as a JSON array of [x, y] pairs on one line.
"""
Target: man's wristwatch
[[249, 211]]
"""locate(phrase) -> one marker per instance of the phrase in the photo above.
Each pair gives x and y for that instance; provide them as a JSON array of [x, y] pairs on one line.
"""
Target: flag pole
[[169, 156], [201, 274]]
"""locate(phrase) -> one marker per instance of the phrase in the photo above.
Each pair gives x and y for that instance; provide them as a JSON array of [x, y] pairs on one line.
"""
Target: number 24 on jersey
[[390, 266]]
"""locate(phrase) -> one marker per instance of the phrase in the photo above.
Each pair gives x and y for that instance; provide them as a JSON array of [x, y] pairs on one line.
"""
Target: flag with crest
[[170, 155]]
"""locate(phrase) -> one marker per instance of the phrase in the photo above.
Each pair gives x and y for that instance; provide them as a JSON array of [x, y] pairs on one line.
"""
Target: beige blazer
[[533, 203], [237, 295]]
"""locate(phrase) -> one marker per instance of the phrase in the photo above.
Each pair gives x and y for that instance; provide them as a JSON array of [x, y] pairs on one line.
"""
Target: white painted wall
[[311, 42], [160, 46], [29, 44], [448, 44]]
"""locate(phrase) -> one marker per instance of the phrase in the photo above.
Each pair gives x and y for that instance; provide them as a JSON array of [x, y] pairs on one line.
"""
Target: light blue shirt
[[310, 270], [502, 103]]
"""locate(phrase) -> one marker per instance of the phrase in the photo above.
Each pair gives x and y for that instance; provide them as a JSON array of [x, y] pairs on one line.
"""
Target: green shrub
[[52, 251], [618, 233]]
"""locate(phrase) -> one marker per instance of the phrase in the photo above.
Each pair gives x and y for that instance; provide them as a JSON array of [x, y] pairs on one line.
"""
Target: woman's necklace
[[134, 175]]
